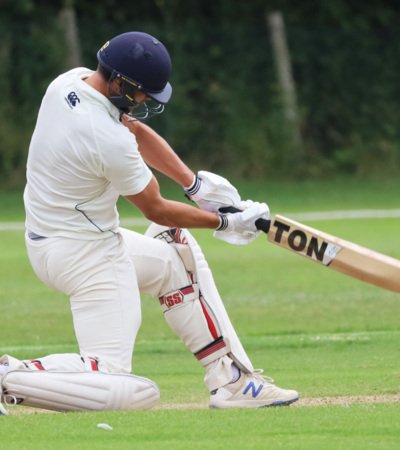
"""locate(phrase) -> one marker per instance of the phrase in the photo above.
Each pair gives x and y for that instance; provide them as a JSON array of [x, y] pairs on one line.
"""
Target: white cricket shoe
[[3, 412], [251, 390]]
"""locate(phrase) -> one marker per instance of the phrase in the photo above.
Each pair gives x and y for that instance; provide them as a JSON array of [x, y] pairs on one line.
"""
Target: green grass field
[[333, 338]]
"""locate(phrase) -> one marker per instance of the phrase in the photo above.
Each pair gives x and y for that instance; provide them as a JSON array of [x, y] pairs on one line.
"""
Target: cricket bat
[[333, 252]]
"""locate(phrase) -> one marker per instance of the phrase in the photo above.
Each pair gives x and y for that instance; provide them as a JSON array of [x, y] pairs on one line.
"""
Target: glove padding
[[239, 228], [211, 192]]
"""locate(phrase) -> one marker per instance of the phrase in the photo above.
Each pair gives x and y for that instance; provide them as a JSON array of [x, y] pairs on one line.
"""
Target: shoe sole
[[250, 404], [3, 412]]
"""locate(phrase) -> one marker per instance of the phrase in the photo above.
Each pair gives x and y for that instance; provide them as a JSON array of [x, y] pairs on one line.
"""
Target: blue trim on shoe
[[282, 403]]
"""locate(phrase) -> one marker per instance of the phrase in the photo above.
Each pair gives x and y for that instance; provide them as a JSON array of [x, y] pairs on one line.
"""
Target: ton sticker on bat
[[299, 242]]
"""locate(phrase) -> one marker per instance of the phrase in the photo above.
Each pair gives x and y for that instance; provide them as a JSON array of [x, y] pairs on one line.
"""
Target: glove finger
[[244, 204]]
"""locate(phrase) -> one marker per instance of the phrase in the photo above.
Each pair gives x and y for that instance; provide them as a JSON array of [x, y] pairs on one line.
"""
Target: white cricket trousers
[[103, 279]]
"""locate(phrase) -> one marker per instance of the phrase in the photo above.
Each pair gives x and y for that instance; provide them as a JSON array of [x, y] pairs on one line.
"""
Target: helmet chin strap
[[125, 101]]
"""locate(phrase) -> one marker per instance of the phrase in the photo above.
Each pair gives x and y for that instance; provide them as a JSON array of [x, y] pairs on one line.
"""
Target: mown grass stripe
[[316, 215], [357, 336]]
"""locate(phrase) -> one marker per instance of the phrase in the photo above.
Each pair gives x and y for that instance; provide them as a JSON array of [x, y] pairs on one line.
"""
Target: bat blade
[[336, 253]]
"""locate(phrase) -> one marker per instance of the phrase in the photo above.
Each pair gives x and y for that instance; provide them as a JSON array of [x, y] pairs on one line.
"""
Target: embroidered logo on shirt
[[72, 99]]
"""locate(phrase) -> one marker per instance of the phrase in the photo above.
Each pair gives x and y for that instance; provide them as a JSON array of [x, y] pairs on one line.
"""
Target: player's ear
[[117, 82], [115, 86]]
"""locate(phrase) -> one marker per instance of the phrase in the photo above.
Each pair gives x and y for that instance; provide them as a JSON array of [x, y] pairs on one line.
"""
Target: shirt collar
[[94, 95]]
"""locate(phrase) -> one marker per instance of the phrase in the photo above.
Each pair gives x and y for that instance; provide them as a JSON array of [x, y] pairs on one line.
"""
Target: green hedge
[[225, 113]]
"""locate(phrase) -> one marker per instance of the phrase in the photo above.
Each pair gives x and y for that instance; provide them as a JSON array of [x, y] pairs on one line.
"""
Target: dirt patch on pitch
[[22, 410], [303, 402], [307, 402], [348, 401]]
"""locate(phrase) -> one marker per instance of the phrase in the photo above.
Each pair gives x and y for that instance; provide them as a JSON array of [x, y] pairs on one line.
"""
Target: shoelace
[[258, 374]]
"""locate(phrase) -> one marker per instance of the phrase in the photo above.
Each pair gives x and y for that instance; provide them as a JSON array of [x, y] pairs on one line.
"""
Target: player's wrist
[[223, 222], [194, 187]]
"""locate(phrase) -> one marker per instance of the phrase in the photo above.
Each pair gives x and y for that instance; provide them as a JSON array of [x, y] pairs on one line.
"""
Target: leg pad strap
[[213, 351], [176, 298]]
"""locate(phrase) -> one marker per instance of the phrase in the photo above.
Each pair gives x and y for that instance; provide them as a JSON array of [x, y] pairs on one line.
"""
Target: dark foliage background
[[226, 111]]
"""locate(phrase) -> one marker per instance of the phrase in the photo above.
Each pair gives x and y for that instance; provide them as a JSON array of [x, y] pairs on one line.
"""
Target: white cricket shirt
[[81, 158]]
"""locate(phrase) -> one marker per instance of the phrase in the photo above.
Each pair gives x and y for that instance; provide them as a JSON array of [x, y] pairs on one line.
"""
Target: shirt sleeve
[[123, 164]]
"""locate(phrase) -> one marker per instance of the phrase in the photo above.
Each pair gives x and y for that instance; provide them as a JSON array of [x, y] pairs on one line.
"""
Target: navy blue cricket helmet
[[142, 62]]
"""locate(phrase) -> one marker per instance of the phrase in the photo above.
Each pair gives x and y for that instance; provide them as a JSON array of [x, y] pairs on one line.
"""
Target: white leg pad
[[196, 312], [80, 391]]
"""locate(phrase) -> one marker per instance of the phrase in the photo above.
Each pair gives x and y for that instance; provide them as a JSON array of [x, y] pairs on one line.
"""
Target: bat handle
[[261, 224]]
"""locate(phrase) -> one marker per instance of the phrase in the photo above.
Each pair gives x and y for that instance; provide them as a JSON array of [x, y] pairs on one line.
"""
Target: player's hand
[[211, 192], [131, 123], [240, 228]]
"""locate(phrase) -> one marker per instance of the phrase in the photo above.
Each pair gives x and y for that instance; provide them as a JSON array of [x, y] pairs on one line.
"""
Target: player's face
[[141, 97], [138, 96]]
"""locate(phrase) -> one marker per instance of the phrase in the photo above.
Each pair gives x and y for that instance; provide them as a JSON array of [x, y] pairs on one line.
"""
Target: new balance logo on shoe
[[72, 99], [254, 391], [251, 390]]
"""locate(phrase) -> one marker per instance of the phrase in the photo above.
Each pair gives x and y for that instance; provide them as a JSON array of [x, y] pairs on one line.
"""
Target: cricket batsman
[[89, 147]]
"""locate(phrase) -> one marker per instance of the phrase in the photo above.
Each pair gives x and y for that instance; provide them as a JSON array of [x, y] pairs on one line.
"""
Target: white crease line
[[20, 226], [316, 215], [43, 347], [349, 214], [12, 226], [354, 336]]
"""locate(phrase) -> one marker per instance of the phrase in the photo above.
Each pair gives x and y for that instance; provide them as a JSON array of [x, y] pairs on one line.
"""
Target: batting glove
[[211, 192], [240, 228]]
